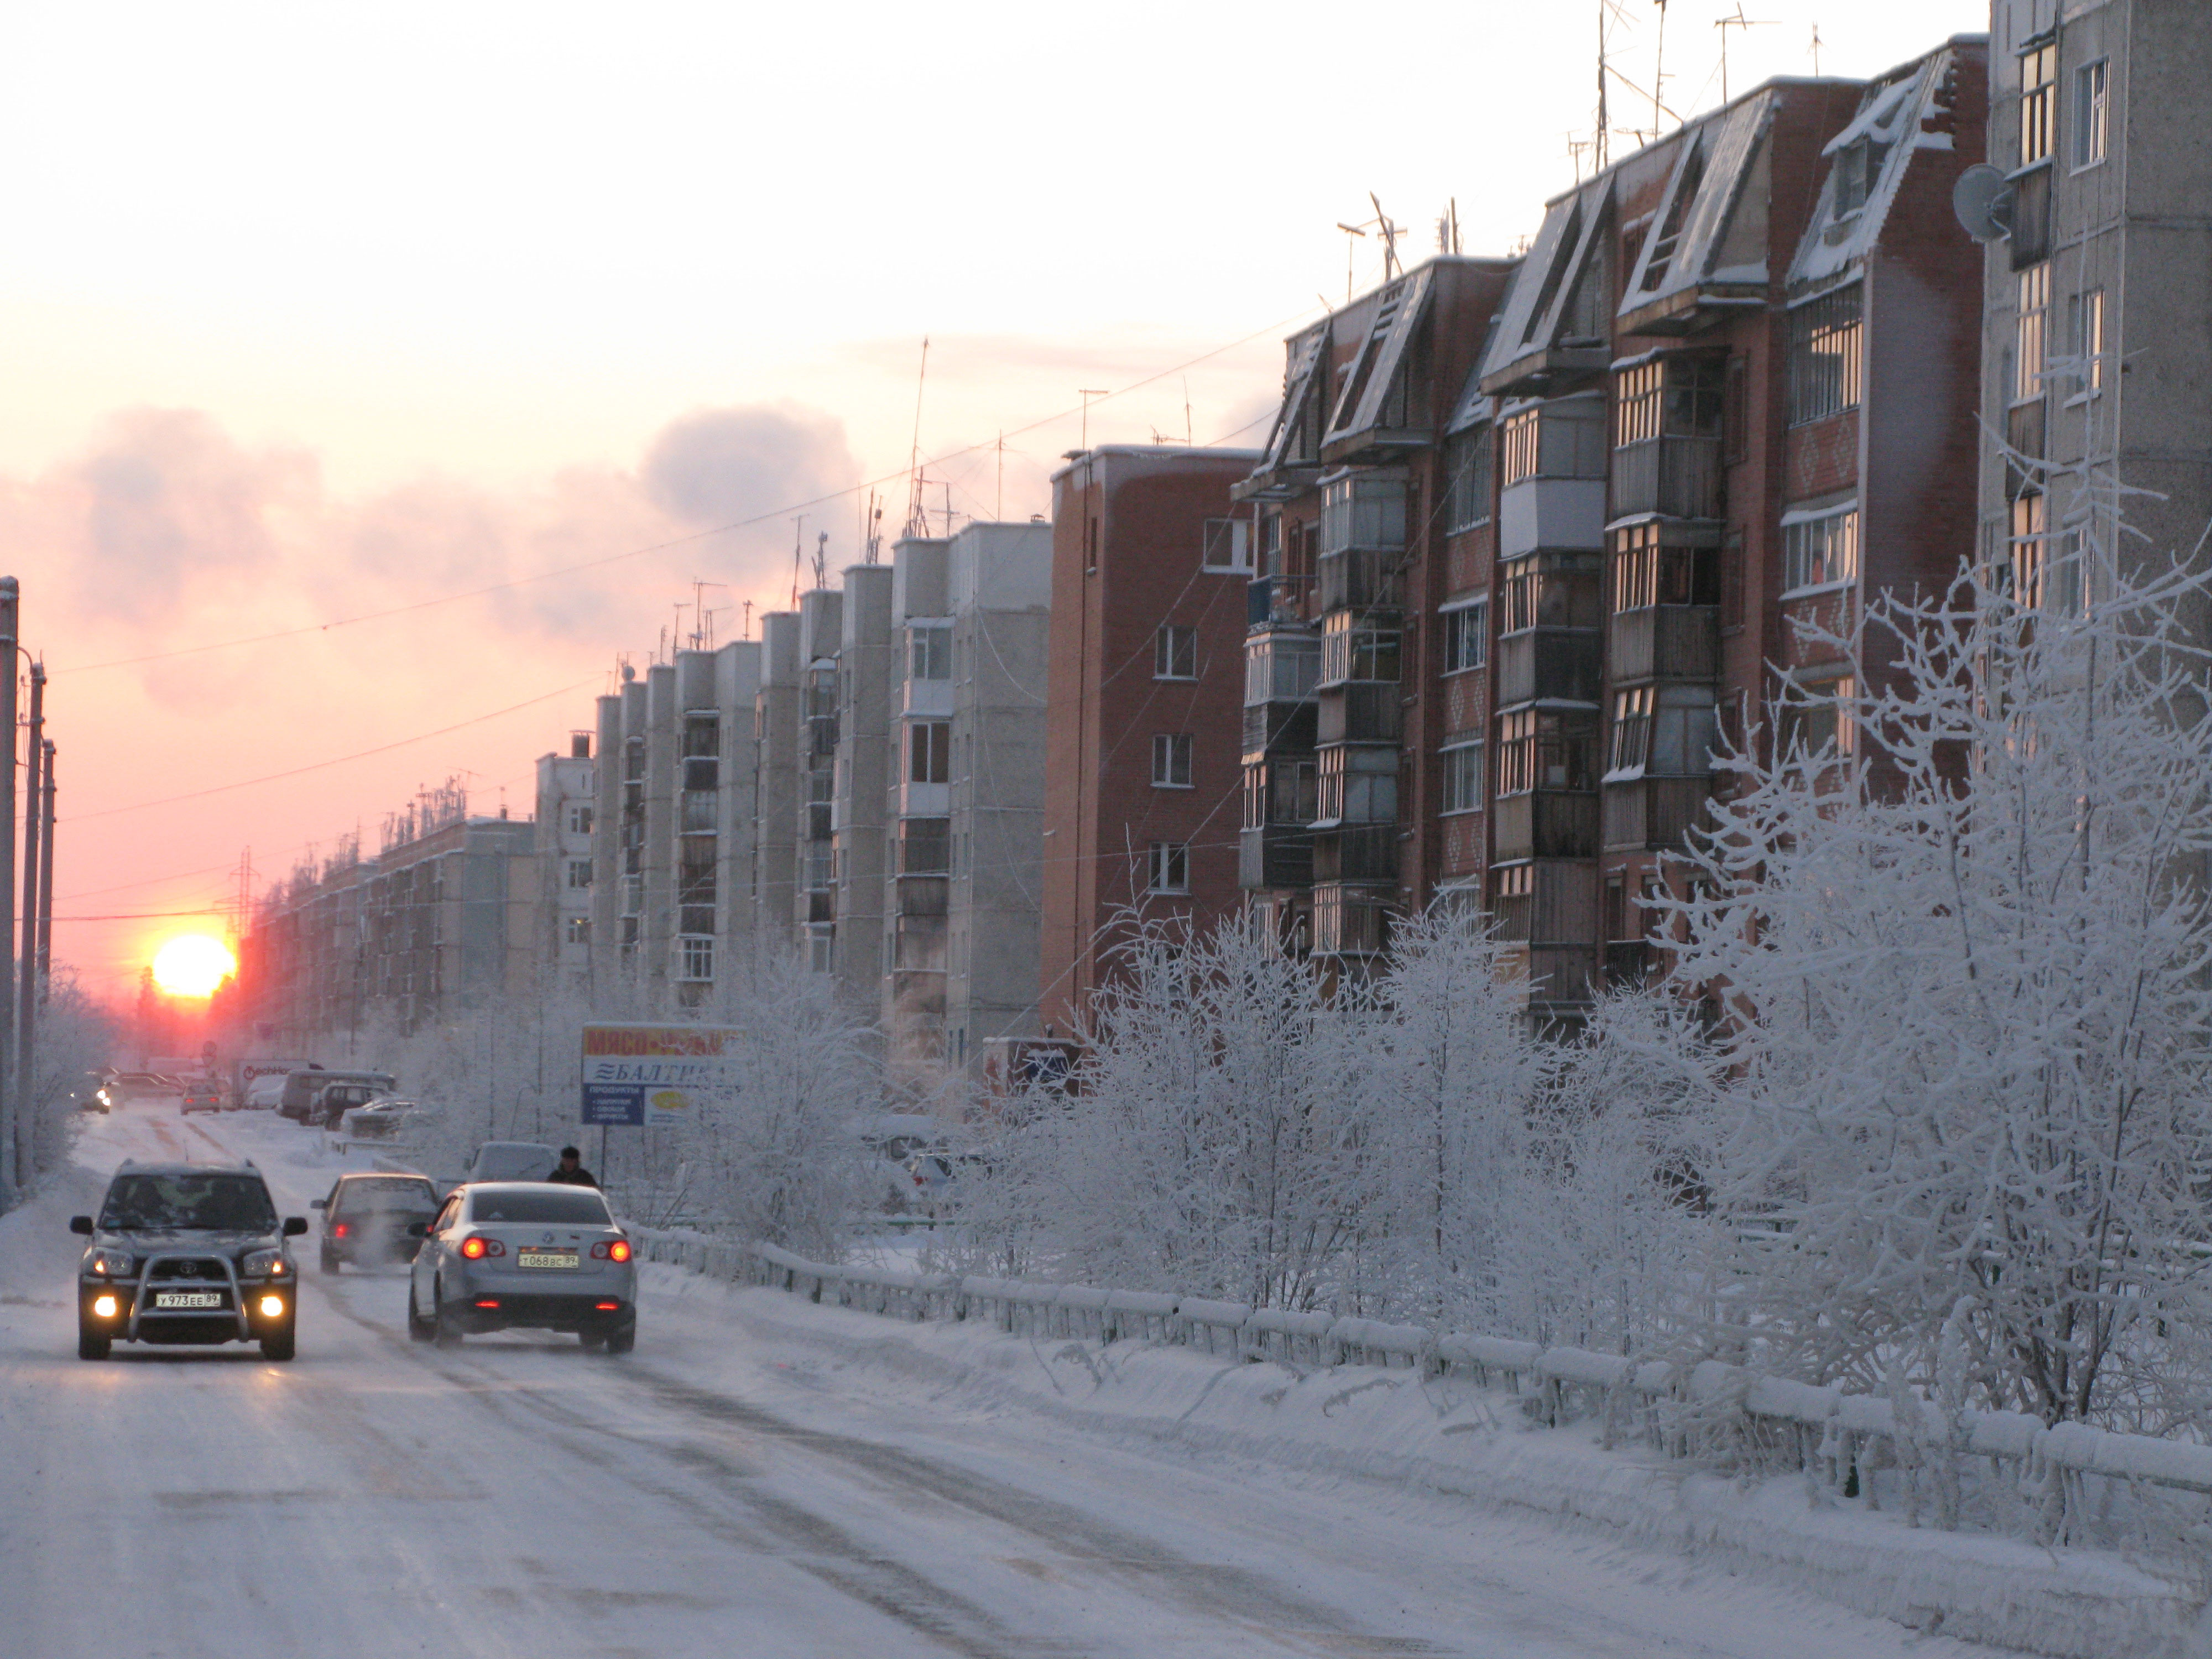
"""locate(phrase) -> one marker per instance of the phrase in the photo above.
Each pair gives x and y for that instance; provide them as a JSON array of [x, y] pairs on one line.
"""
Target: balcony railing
[[1556, 664], [1545, 825], [1279, 855], [1361, 579], [1276, 726], [1366, 853], [1655, 812], [1361, 712], [1679, 477], [1665, 643]]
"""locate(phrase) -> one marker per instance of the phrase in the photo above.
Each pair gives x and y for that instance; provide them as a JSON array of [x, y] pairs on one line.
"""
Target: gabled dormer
[[1704, 260], [1553, 334], [1373, 409]]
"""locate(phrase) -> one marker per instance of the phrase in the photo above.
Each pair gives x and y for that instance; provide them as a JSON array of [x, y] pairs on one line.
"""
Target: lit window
[[580, 930], [1545, 748], [1466, 636], [1646, 574], [1819, 547], [1825, 337], [1359, 785], [2031, 333], [1167, 867], [1817, 721], [2092, 113], [1171, 761], [2086, 342], [2039, 102], [1462, 781], [1174, 652]]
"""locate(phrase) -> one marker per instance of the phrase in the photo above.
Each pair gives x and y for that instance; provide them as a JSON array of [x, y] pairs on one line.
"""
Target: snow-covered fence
[[1722, 1415]]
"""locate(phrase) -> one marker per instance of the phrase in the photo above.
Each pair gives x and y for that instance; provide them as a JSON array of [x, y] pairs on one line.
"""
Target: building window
[[1171, 761], [2086, 339], [1363, 512], [1466, 636], [928, 751], [1167, 867], [1462, 782], [1553, 590], [1228, 545], [1857, 164], [1352, 653], [1566, 438], [2044, 570], [1174, 652], [1663, 732], [2039, 102], [1359, 785], [1824, 339], [2031, 333], [1519, 441], [698, 959], [821, 949], [580, 930], [580, 820], [1819, 547], [1646, 574], [929, 651], [1817, 721], [1467, 460], [1545, 748], [2092, 113], [579, 872], [698, 812]]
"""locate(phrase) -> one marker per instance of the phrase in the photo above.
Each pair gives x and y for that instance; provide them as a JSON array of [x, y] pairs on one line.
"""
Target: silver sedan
[[507, 1254]]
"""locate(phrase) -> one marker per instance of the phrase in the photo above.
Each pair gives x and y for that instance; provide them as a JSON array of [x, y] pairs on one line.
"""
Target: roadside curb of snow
[[1392, 1428]]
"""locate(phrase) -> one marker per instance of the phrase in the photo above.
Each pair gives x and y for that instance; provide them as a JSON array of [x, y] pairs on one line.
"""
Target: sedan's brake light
[[340, 1231], [487, 1302], [611, 1250], [476, 1247], [608, 1306]]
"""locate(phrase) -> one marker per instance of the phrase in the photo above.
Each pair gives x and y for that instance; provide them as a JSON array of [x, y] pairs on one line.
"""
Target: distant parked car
[[388, 1118], [367, 1218], [303, 1100], [141, 1085], [263, 1094]]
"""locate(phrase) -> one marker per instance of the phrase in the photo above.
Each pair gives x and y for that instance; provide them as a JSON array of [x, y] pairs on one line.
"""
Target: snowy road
[[720, 1491]]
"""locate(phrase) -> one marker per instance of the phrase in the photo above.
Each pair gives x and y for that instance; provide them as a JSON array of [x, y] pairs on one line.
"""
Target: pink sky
[[319, 313]]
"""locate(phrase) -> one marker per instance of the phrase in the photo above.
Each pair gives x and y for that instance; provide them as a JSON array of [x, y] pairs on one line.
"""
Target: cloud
[[716, 466]]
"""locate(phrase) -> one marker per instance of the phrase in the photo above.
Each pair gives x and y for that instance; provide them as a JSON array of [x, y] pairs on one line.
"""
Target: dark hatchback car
[[190, 1253], [367, 1219]]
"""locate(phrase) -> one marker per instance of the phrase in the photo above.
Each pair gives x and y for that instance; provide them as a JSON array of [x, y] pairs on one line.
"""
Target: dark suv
[[187, 1252]]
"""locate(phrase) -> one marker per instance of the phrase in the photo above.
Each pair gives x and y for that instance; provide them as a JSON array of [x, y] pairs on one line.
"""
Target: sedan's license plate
[[545, 1258], [188, 1298]]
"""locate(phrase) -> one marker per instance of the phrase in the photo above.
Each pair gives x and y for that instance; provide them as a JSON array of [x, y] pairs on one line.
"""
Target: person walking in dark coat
[[570, 1171]]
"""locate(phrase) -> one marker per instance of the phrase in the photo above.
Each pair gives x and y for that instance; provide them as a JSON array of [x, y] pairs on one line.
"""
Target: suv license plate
[[545, 1258], [188, 1298]]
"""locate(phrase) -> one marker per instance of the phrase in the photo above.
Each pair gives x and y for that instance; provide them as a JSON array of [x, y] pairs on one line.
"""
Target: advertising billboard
[[638, 1074]]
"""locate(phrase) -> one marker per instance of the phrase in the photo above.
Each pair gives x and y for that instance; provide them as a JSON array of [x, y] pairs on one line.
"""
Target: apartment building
[[2098, 342], [672, 826], [567, 798], [1152, 562], [963, 839], [446, 916], [1729, 396], [1354, 697]]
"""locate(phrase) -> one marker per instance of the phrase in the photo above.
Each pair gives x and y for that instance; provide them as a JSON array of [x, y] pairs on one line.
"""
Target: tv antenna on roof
[[821, 559], [1738, 21], [917, 522], [1389, 227], [1816, 50]]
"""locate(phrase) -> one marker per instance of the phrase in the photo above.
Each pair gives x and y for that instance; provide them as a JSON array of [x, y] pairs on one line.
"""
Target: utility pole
[[27, 983], [45, 958], [11, 1170]]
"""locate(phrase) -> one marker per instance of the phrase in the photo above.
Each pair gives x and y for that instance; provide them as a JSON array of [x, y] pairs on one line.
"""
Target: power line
[[341, 760], [778, 512]]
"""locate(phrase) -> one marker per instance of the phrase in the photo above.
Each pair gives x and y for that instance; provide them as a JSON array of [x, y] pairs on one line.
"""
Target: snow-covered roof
[[1547, 274], [1399, 311], [1304, 354], [1889, 123], [1689, 235]]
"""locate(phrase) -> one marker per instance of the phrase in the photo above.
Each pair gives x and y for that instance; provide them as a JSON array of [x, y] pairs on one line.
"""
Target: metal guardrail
[[1724, 1415]]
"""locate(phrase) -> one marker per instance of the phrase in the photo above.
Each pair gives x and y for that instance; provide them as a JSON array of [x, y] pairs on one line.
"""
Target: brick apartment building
[[1731, 386], [1351, 710], [1152, 562]]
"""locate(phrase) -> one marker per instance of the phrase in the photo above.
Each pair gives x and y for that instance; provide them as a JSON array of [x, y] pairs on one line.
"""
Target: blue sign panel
[[611, 1105]]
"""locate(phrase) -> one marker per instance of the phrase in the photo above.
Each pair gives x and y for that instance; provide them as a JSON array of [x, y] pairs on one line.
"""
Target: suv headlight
[[264, 1264], [112, 1264]]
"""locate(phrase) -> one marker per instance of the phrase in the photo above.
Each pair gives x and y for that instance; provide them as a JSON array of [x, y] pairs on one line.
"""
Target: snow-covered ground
[[757, 1479]]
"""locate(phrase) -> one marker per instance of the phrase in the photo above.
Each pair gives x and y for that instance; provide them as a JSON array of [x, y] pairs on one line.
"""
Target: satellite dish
[[1983, 199]]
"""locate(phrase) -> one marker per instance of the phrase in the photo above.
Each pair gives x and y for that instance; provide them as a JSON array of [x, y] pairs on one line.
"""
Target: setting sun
[[193, 965]]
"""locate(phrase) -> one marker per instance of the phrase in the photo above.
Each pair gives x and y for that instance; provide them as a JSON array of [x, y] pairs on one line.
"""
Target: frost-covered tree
[[1957, 933]]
